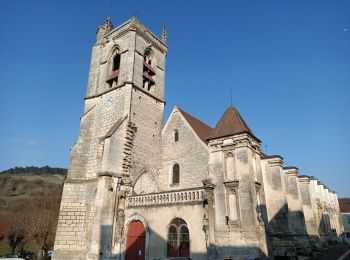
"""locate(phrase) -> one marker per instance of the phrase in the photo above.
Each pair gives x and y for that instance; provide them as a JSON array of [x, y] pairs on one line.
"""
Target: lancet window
[[113, 71], [176, 174], [176, 135], [148, 71]]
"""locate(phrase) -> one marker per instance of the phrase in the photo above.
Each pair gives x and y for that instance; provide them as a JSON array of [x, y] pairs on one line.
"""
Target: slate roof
[[344, 205], [231, 123], [202, 130]]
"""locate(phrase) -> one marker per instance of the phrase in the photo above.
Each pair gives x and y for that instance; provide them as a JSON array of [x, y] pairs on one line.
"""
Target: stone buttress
[[120, 137]]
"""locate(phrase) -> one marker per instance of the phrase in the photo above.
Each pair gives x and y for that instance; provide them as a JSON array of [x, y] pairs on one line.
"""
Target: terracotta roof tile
[[202, 130], [344, 205], [231, 123]]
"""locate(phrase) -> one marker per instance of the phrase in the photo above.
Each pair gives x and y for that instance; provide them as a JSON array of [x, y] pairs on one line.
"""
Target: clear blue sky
[[287, 63]]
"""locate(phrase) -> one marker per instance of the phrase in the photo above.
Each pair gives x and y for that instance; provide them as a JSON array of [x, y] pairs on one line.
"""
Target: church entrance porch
[[136, 240]]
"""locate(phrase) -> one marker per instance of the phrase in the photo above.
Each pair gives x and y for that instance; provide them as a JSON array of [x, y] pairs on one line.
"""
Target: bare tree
[[3, 228], [13, 228], [41, 217]]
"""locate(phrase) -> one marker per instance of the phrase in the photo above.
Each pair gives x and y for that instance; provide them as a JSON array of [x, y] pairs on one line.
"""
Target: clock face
[[109, 101]]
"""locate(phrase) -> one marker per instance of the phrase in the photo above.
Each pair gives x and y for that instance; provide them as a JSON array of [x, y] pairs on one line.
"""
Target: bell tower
[[125, 89], [119, 139]]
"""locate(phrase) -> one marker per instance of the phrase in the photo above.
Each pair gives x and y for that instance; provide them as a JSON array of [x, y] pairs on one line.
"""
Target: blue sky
[[286, 62]]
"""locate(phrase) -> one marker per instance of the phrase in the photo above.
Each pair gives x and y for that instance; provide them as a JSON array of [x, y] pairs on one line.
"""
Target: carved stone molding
[[229, 153], [257, 186], [134, 25], [304, 179], [291, 171], [208, 190], [275, 161], [234, 142], [108, 174], [232, 185], [208, 183], [234, 224], [135, 217]]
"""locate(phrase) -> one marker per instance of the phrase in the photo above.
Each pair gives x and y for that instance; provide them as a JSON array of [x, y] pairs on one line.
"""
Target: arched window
[[176, 135], [176, 174], [113, 70], [116, 62], [178, 239], [148, 70]]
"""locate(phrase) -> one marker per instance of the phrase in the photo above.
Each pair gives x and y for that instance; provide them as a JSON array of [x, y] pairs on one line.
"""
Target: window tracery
[[178, 239]]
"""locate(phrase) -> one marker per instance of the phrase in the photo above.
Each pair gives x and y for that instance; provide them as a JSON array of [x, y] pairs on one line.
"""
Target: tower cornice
[[134, 24], [120, 86]]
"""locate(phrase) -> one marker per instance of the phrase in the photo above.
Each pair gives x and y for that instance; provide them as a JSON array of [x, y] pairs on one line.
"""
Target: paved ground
[[335, 253]]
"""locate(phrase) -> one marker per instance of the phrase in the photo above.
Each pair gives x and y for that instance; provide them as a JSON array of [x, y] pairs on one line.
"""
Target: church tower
[[119, 139]]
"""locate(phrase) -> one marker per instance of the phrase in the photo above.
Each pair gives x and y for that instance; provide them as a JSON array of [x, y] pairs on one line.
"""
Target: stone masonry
[[140, 189]]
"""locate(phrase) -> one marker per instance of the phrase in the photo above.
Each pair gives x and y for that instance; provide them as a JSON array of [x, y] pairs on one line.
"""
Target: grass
[[20, 186]]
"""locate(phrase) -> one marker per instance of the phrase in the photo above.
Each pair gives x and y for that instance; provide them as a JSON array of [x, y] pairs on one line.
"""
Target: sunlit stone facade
[[141, 189]]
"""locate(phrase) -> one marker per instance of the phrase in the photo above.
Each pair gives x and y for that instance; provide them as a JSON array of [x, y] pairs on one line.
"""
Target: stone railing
[[169, 197]]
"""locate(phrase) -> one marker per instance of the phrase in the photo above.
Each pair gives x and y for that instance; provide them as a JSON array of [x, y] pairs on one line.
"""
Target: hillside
[[25, 192], [17, 183]]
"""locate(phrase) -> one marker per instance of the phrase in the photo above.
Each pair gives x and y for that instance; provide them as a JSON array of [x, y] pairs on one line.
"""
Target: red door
[[135, 241]]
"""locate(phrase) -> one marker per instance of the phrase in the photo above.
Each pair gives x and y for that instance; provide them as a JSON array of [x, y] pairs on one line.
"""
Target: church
[[141, 189]]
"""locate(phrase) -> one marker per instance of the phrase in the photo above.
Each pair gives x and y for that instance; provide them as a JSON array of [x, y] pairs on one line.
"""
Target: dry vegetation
[[29, 206]]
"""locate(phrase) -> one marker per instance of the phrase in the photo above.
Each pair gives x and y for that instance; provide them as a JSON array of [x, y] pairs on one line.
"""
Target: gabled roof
[[231, 123], [202, 130]]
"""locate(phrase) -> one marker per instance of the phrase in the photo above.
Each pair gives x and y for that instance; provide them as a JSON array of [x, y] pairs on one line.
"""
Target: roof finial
[[231, 98], [104, 28], [164, 34]]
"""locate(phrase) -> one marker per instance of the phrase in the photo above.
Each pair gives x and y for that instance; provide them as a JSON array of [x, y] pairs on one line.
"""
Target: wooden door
[[135, 241]]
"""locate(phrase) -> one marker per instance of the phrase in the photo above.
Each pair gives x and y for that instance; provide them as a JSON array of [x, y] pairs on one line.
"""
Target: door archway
[[135, 241]]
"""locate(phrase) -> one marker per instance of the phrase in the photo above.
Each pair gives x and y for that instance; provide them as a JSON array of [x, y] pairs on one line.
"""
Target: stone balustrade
[[165, 198]]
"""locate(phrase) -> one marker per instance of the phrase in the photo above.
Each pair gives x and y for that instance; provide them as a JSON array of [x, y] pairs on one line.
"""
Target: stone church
[[141, 189]]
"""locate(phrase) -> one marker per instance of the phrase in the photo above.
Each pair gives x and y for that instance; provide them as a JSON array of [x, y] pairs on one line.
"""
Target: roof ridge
[[183, 111], [245, 126]]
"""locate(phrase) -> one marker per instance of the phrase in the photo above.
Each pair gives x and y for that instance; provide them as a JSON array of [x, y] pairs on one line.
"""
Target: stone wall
[[157, 219], [237, 190], [189, 152], [147, 118], [122, 163], [120, 136], [74, 223]]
